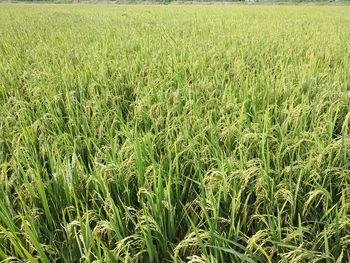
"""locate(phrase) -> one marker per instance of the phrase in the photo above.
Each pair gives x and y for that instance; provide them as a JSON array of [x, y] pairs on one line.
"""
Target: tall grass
[[174, 134]]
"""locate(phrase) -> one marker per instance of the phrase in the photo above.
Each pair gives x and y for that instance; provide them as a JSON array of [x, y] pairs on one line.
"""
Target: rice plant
[[174, 133]]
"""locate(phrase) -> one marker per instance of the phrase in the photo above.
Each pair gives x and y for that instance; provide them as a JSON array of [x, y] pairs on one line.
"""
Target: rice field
[[179, 133]]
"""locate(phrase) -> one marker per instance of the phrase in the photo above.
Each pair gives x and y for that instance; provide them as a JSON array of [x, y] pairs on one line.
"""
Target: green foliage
[[174, 133]]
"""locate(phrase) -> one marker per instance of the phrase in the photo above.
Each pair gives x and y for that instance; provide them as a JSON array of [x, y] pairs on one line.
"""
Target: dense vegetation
[[174, 133], [182, 1]]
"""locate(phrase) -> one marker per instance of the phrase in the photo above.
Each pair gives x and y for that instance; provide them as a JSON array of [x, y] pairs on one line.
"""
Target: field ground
[[174, 133]]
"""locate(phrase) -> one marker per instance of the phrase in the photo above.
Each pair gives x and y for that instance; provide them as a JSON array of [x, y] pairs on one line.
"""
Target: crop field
[[174, 133]]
